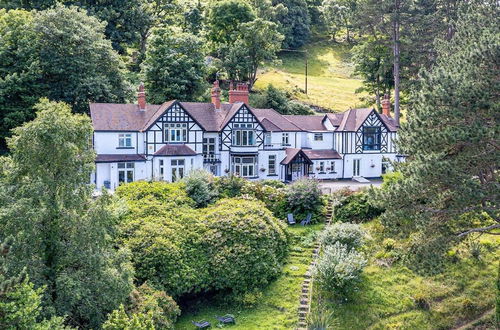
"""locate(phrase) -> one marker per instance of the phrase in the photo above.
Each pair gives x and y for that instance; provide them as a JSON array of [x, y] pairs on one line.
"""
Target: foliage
[[135, 193], [356, 208], [119, 320], [338, 15], [243, 239], [174, 66], [339, 268], [162, 309], [458, 193], [295, 22], [279, 100], [349, 234], [230, 185], [273, 197], [200, 186], [255, 42], [321, 319], [224, 18], [303, 196], [63, 236]]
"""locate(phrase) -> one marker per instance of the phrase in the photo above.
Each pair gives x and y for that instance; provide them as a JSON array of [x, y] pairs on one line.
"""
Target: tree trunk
[[377, 93], [395, 33]]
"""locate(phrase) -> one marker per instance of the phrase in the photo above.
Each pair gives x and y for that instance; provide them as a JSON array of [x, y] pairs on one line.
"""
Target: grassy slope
[[463, 292], [277, 309], [330, 76]]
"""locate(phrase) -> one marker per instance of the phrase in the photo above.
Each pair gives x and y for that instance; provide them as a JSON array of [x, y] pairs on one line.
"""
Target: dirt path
[[468, 325]]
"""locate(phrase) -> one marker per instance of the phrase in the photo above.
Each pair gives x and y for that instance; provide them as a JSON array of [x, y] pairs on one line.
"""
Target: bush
[[200, 186], [349, 234], [230, 186], [120, 320], [338, 269], [279, 100], [356, 208], [162, 308], [163, 192], [269, 194], [304, 196], [246, 244]]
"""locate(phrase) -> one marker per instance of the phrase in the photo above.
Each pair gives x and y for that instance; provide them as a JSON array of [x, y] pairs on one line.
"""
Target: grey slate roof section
[[110, 158], [321, 154], [120, 117], [307, 122], [175, 150]]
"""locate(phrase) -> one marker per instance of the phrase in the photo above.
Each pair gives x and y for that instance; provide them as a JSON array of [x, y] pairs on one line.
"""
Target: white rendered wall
[[107, 143]]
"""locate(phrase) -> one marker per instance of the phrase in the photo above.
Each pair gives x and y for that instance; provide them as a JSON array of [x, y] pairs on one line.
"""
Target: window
[[177, 169], [125, 140], [371, 138], [176, 132], [243, 135], [162, 168], [272, 164], [318, 136], [209, 149], [125, 172], [332, 166], [285, 139], [244, 166], [321, 167], [267, 139]]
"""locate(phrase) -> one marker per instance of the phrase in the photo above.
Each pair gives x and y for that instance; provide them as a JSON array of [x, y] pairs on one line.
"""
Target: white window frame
[[267, 139], [127, 168], [176, 132], [285, 139], [321, 166], [243, 135], [272, 165], [178, 164], [209, 148], [162, 168], [318, 136], [332, 166], [245, 166], [125, 140]]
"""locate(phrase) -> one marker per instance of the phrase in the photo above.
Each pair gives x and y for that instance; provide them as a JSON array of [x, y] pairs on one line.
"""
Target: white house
[[164, 142]]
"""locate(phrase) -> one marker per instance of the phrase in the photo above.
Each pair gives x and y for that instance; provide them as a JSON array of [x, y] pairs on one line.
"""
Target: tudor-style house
[[164, 142]]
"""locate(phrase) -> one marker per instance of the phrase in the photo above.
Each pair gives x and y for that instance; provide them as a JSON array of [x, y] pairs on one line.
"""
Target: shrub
[[246, 244], [273, 183], [349, 234], [338, 269], [272, 197], [304, 196], [356, 208], [322, 319], [200, 186], [162, 308], [120, 320], [163, 192], [230, 186]]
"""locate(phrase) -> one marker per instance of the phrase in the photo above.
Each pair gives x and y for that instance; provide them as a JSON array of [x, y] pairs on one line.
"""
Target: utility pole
[[305, 62]]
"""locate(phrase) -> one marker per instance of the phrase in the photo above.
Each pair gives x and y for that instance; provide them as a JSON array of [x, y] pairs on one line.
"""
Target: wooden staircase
[[307, 285]]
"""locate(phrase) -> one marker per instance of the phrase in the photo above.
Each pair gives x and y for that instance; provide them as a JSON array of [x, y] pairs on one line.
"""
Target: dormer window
[[371, 138], [124, 140], [243, 135], [176, 132]]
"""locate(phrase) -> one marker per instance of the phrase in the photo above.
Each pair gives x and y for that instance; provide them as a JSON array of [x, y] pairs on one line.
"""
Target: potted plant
[[262, 169]]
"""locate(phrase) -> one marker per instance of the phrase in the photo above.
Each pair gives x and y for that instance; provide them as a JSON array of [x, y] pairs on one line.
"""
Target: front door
[[177, 166], [355, 167]]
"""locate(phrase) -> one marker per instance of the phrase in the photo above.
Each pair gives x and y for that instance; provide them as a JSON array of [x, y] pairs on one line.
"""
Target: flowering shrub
[[269, 194], [304, 196], [230, 186], [339, 268], [349, 234], [200, 186]]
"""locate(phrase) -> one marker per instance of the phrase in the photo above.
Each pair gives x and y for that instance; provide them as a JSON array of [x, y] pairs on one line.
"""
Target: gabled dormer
[[241, 129]]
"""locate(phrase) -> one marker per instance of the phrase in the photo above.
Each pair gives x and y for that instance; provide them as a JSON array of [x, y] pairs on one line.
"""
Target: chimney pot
[[141, 97], [240, 94], [386, 106], [216, 95]]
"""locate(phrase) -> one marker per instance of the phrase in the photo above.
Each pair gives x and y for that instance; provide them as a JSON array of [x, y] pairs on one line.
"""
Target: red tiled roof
[[335, 118], [322, 154], [291, 153], [120, 117], [278, 121], [175, 150], [307, 122], [111, 158]]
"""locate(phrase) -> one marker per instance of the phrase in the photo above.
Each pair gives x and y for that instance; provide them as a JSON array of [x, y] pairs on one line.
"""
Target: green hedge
[[356, 208]]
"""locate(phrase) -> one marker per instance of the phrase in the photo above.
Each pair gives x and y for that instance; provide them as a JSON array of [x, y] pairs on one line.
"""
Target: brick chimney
[[240, 94], [141, 97], [386, 105], [216, 95]]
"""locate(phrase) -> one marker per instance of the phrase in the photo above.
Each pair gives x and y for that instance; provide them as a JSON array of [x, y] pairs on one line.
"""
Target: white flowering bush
[[349, 234], [339, 269]]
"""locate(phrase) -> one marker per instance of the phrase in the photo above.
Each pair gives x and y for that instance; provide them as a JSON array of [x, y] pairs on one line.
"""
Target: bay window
[[245, 166], [243, 135], [125, 172]]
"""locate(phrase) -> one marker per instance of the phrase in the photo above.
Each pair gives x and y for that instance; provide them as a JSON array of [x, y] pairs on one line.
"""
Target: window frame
[[318, 136], [125, 140], [377, 138], [271, 165], [243, 135], [127, 168], [179, 130], [285, 139], [244, 169]]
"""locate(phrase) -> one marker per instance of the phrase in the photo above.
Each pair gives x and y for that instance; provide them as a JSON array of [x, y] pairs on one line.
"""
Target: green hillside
[[331, 81]]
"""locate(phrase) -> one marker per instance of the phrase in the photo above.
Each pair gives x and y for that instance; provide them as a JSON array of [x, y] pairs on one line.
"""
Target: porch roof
[[292, 153], [111, 158], [175, 150], [322, 154]]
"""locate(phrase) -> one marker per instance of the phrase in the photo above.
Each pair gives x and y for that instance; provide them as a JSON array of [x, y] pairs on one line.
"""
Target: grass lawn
[[464, 292], [331, 83], [277, 308]]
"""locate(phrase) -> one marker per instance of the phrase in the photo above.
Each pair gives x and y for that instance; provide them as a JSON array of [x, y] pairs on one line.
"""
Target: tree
[[224, 19], [337, 15], [119, 320], [174, 66], [295, 22], [274, 98], [63, 236], [449, 184], [78, 64], [257, 41]]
